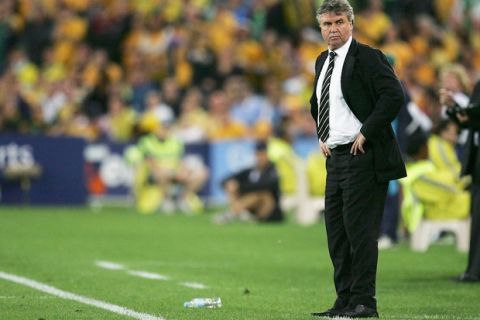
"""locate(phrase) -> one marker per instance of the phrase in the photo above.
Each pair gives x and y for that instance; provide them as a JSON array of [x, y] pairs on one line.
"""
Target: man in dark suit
[[469, 118], [355, 97]]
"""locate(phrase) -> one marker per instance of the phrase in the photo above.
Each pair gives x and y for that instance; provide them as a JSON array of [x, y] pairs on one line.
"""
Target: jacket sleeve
[[388, 93]]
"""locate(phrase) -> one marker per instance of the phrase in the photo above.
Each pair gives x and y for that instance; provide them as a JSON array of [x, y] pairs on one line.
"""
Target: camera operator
[[469, 118]]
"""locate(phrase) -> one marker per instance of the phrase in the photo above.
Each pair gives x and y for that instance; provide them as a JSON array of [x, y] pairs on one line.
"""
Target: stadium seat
[[429, 230]]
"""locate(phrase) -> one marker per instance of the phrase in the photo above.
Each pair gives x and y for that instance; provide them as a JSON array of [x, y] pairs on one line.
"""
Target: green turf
[[285, 268]]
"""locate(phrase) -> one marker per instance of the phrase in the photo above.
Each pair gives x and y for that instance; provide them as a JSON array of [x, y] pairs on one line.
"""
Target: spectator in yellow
[[119, 121], [163, 180], [441, 147], [399, 49], [430, 193], [373, 23], [192, 122], [70, 29], [250, 109], [221, 125]]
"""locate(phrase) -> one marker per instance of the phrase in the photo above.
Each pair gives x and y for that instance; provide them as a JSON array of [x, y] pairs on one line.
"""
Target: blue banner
[[75, 171], [108, 176], [227, 158], [62, 180]]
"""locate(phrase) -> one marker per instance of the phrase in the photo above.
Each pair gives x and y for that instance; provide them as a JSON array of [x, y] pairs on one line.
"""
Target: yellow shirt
[[218, 130], [373, 26], [122, 125], [73, 29]]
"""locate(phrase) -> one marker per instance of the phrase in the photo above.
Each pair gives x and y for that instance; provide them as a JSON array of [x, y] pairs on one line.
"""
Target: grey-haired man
[[355, 97]]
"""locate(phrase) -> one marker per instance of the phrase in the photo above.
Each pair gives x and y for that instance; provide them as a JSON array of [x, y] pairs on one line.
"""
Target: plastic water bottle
[[203, 303]]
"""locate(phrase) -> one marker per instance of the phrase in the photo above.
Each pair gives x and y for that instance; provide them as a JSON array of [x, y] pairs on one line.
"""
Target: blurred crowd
[[208, 69]]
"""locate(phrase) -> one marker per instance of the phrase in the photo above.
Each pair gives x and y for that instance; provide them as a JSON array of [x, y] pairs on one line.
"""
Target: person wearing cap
[[356, 96], [253, 193], [166, 179]]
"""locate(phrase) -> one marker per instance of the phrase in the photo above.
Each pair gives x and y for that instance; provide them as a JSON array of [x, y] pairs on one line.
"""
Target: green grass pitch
[[260, 271]]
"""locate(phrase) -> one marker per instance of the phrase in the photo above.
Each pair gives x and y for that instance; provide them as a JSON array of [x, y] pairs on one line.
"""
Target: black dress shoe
[[339, 307], [466, 278], [361, 311], [330, 313]]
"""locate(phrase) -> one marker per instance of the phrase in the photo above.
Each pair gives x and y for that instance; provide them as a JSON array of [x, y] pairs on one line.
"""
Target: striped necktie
[[323, 107]]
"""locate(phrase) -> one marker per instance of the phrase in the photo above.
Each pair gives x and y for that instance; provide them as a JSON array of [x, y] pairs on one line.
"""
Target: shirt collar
[[343, 50]]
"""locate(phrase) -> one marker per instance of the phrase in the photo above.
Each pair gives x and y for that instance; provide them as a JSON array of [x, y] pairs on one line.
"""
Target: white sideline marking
[[147, 275], [71, 296], [109, 265], [182, 264], [194, 285]]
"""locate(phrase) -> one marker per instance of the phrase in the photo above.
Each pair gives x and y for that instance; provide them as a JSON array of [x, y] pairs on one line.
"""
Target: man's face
[[336, 29]]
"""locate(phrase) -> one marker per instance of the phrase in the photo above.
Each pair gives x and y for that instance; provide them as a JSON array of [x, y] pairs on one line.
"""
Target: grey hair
[[336, 6]]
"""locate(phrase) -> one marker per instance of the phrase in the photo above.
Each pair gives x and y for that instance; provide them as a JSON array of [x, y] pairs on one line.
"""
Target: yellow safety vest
[[283, 156], [432, 194]]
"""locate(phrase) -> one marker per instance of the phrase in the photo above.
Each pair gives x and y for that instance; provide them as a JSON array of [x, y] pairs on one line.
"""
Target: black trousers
[[473, 267], [354, 203]]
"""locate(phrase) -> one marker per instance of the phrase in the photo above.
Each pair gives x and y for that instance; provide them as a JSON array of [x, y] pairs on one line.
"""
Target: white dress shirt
[[344, 126]]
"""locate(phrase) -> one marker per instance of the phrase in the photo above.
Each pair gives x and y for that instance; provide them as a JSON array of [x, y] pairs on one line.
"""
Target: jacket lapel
[[318, 68], [319, 65], [347, 70]]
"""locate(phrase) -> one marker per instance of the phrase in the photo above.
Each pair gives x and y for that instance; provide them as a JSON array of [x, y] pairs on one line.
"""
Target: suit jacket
[[471, 157], [375, 96]]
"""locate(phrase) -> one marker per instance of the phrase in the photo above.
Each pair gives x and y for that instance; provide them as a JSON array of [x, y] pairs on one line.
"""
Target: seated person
[[428, 192], [253, 193], [441, 149], [165, 179]]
